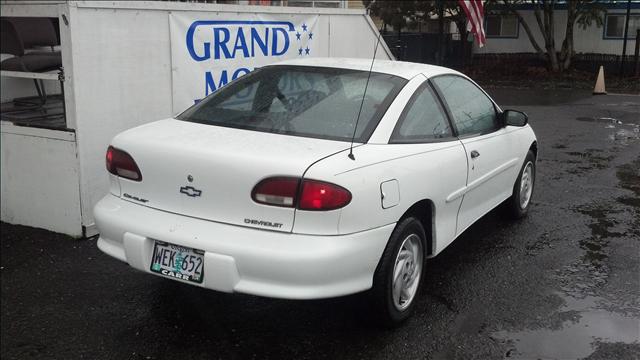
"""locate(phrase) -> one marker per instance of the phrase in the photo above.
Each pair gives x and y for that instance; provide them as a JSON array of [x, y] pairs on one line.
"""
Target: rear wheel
[[398, 277], [518, 203]]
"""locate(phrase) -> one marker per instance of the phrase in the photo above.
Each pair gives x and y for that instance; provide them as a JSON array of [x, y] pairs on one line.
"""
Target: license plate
[[178, 262]]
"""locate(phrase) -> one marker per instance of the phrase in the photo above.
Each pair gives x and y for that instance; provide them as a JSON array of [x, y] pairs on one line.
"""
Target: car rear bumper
[[245, 260]]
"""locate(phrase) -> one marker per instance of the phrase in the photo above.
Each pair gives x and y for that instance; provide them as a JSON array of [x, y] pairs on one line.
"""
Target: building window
[[316, 3], [265, 2], [505, 26], [614, 28], [31, 64]]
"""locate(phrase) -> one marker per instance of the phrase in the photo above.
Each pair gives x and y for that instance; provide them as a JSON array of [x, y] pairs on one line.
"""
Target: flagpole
[[440, 58], [626, 36]]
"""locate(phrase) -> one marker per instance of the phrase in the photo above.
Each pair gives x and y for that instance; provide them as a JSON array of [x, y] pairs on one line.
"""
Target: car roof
[[402, 69]]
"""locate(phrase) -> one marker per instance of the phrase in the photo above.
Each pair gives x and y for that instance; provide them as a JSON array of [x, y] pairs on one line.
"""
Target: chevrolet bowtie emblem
[[190, 191]]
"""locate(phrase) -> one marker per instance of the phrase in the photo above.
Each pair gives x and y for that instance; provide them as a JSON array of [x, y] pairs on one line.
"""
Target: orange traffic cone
[[599, 88]]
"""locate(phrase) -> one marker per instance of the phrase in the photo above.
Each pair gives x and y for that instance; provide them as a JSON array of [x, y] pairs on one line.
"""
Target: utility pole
[[626, 35], [440, 59], [636, 54]]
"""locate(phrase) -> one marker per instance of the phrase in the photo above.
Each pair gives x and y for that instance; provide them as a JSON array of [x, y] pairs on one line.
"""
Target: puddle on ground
[[587, 160], [629, 176], [623, 135], [606, 120], [601, 225], [629, 201], [586, 325], [590, 272], [619, 131]]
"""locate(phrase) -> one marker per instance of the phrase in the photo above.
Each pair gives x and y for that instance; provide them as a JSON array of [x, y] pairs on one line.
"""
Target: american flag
[[475, 15]]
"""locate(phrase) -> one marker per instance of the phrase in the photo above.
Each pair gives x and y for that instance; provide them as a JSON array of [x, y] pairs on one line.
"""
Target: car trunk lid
[[208, 172]]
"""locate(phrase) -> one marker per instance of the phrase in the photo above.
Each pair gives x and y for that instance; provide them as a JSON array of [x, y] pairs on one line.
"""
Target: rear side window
[[423, 119], [473, 112]]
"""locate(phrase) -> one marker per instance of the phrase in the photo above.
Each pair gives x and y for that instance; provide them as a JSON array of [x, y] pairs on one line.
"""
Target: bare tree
[[580, 12]]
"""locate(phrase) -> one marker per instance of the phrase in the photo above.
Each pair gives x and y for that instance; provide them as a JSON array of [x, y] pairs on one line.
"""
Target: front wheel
[[520, 200], [398, 277]]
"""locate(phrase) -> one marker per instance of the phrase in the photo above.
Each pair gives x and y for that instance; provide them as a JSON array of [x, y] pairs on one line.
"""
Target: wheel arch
[[424, 211], [534, 148]]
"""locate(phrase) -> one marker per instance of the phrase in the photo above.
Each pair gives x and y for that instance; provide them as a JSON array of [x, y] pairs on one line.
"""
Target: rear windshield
[[302, 101]]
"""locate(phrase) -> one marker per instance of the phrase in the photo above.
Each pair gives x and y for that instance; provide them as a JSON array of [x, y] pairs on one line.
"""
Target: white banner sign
[[209, 50]]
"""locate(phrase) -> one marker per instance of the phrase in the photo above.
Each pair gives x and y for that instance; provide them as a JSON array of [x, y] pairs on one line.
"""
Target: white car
[[290, 183]]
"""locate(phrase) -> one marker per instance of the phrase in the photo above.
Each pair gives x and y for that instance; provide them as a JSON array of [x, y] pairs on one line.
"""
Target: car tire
[[518, 204], [401, 268]]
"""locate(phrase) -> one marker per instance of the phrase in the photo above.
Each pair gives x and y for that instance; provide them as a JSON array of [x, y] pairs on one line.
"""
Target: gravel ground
[[562, 283]]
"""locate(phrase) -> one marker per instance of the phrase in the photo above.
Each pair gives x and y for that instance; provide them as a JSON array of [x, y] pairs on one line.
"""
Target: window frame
[[500, 16], [426, 85], [500, 125], [631, 35]]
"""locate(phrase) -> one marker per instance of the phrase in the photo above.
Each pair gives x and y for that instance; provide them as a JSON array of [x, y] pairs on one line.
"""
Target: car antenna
[[355, 128]]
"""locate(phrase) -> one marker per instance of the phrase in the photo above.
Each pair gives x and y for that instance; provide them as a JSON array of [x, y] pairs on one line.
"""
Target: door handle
[[474, 154]]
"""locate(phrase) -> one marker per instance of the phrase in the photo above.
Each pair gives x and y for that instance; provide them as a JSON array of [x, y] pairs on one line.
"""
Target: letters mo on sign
[[210, 50]]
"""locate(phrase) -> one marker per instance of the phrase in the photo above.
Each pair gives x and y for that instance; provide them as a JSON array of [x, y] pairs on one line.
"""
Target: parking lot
[[562, 283]]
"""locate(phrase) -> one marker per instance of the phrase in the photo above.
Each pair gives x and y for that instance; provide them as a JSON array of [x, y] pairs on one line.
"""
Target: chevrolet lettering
[[262, 223]]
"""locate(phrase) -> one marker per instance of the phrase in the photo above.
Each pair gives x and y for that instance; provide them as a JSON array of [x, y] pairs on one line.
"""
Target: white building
[[506, 35]]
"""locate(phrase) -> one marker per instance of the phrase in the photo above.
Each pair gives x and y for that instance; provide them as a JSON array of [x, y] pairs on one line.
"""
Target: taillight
[[310, 195], [320, 195], [122, 164], [278, 191]]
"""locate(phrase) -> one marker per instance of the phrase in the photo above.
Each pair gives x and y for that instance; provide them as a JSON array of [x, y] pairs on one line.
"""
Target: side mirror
[[514, 118]]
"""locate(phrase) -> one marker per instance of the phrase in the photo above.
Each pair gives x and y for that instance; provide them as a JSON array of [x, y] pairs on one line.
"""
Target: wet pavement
[[563, 283]]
